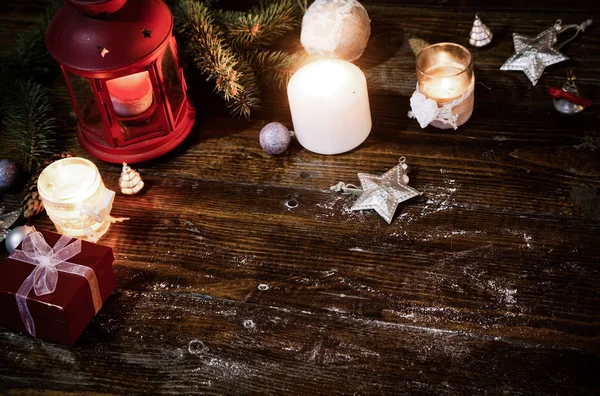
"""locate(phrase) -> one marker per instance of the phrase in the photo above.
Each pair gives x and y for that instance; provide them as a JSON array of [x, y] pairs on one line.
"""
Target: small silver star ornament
[[533, 54], [384, 193]]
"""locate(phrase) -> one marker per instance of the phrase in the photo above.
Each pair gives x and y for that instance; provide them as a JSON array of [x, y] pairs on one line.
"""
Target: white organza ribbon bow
[[98, 214], [426, 110], [44, 278]]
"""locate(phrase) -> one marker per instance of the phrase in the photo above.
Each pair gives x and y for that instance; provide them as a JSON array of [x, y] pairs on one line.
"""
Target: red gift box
[[62, 315]]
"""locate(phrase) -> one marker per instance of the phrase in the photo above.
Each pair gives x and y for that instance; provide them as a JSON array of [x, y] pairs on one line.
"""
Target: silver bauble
[[275, 138], [16, 236]]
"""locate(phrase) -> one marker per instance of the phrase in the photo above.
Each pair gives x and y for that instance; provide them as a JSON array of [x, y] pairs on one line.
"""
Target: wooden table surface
[[486, 284]]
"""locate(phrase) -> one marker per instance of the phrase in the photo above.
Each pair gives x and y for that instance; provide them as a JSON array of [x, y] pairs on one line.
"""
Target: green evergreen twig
[[212, 55], [276, 67], [25, 111], [26, 118], [248, 98], [29, 56], [230, 47], [262, 25]]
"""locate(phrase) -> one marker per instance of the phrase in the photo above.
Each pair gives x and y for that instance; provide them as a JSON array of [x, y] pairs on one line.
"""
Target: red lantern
[[119, 59]]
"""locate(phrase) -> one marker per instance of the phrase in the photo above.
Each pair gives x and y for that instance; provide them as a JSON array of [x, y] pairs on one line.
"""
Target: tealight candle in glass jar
[[75, 198], [444, 76]]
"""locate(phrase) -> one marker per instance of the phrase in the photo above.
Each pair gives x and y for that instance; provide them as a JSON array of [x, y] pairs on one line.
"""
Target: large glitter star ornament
[[384, 193], [533, 54]]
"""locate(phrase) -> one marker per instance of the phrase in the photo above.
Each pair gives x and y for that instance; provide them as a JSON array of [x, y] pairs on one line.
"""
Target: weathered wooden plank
[[162, 342], [437, 263], [494, 273], [508, 176]]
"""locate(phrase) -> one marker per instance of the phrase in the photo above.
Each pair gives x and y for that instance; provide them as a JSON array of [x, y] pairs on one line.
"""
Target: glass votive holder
[[75, 198], [445, 75]]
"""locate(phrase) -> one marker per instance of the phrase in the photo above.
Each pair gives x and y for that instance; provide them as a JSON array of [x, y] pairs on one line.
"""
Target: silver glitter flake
[[533, 54], [384, 193]]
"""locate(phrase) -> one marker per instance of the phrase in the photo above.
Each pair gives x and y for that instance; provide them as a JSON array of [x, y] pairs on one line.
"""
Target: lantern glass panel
[[133, 131], [85, 104], [172, 82]]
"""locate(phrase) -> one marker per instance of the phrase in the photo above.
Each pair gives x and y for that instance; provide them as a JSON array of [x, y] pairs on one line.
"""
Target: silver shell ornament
[[480, 35], [130, 181]]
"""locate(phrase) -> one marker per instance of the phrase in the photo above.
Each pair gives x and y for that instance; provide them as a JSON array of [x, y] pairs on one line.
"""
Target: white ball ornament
[[275, 138], [336, 28], [16, 236]]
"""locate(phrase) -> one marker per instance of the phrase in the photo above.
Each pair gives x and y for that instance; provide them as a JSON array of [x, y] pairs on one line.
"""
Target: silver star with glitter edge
[[533, 54], [384, 193]]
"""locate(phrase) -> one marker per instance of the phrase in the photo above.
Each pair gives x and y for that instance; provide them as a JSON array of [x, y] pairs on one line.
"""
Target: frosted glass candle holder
[[75, 198], [445, 74]]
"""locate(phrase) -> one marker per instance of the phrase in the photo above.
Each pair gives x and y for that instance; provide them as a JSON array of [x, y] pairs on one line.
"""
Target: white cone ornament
[[130, 181], [480, 34], [336, 28]]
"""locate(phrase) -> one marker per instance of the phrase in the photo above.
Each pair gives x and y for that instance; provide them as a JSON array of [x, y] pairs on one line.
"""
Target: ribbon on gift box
[[48, 262]]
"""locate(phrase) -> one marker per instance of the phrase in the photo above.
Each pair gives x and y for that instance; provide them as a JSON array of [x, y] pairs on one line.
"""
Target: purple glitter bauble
[[275, 138], [9, 175]]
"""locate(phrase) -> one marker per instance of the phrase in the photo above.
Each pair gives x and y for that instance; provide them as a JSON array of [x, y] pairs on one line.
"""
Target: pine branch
[[276, 67], [302, 5], [249, 97], [26, 119], [29, 56], [214, 58], [262, 25]]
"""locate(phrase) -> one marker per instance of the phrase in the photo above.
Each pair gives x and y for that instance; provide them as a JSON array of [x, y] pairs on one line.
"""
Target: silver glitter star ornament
[[384, 193], [533, 54]]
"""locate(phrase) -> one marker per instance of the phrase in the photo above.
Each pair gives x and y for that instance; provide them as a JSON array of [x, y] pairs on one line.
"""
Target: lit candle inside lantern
[[445, 74], [75, 197], [131, 95], [329, 103]]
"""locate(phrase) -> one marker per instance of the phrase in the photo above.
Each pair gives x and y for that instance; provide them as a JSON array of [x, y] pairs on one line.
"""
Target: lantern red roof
[[109, 43]]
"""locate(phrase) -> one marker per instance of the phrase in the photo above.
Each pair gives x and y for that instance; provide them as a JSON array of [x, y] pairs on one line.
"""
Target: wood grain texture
[[241, 273], [186, 343]]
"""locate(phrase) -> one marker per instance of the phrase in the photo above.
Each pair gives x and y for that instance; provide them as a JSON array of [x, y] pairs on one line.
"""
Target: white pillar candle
[[75, 197], [329, 103], [130, 95]]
